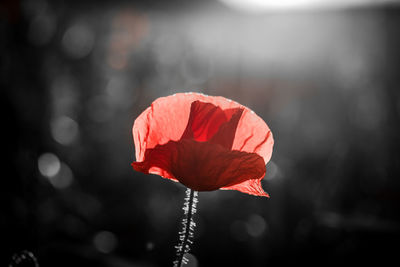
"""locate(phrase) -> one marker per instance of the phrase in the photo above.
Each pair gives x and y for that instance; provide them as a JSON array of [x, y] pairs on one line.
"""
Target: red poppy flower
[[204, 142]]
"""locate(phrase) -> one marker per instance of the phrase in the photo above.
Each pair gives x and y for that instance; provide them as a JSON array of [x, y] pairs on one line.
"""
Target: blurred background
[[74, 75]]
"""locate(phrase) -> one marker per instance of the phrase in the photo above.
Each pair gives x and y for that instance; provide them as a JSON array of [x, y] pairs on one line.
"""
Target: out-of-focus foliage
[[74, 76]]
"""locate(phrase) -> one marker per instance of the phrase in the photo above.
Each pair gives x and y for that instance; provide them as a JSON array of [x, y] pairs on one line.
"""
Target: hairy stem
[[188, 224]]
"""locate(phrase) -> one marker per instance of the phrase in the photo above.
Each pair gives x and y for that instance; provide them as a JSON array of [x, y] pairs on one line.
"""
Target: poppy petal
[[167, 119], [204, 142], [253, 135], [208, 122], [227, 131], [252, 187], [158, 161], [204, 121], [203, 166]]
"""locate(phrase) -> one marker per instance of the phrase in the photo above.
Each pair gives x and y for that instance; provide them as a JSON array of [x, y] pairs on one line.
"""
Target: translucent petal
[[204, 142], [167, 118], [203, 166]]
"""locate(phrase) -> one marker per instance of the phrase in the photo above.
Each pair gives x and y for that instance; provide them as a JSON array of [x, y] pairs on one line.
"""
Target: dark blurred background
[[75, 74]]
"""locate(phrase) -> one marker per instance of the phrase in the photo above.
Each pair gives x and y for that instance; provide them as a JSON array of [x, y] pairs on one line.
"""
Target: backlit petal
[[252, 187], [203, 166], [204, 121], [158, 161], [167, 119], [227, 131], [253, 135], [204, 142]]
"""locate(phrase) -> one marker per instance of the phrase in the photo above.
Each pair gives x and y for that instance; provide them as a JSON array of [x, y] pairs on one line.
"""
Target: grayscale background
[[74, 75]]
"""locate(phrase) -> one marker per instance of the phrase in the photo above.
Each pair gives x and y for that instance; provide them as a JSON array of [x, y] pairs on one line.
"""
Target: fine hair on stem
[[188, 225]]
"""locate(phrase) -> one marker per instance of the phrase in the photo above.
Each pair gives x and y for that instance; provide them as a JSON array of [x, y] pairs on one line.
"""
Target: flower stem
[[186, 235]]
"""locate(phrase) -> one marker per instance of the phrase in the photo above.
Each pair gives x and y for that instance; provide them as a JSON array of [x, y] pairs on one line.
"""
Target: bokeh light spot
[[64, 130], [78, 41], [256, 225], [105, 241], [49, 164], [149, 246], [63, 178]]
